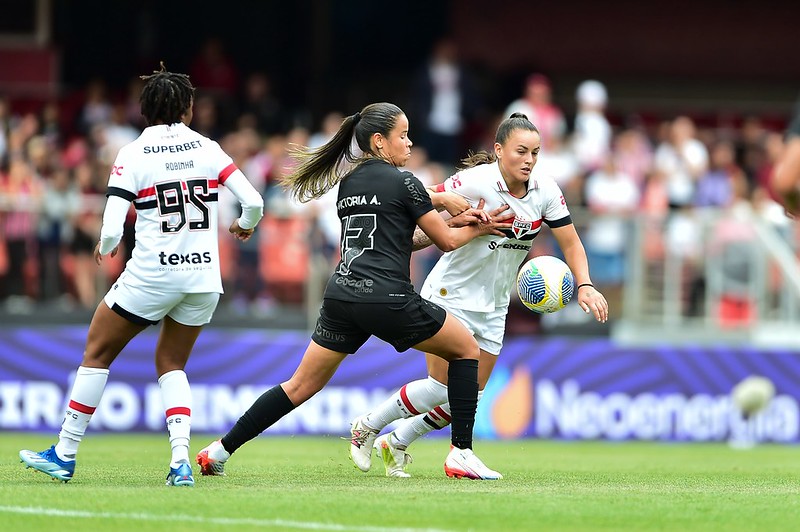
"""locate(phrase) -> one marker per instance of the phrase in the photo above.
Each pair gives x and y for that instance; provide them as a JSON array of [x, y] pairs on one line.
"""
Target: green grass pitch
[[307, 483]]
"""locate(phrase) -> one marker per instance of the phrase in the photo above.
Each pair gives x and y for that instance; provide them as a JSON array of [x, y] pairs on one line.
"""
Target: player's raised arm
[[498, 219], [252, 205]]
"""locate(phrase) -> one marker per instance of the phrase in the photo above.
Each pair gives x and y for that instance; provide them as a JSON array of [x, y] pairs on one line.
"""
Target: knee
[[469, 349]]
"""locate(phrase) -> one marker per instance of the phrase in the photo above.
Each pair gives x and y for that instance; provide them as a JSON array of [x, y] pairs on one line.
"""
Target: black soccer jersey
[[378, 205]]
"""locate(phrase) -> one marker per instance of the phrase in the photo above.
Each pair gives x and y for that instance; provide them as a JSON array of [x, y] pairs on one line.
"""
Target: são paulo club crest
[[523, 229]]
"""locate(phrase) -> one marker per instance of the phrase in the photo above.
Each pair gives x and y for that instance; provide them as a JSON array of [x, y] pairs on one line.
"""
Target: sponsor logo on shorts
[[325, 334]]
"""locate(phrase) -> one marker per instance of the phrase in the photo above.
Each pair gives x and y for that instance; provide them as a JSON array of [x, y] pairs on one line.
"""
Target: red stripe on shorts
[[179, 411]]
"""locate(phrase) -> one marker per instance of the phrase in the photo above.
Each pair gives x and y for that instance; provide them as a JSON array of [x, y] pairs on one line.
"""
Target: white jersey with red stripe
[[479, 276], [171, 174]]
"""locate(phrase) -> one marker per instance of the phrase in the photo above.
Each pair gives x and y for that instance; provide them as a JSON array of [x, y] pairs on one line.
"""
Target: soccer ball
[[753, 394], [545, 284]]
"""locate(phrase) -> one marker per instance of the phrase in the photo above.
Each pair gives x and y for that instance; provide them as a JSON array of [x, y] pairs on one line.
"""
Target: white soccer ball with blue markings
[[545, 284]]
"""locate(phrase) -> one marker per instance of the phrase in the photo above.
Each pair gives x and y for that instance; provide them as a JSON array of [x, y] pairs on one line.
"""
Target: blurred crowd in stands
[[55, 161]]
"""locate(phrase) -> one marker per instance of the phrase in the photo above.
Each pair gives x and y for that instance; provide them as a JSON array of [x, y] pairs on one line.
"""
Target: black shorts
[[344, 326]]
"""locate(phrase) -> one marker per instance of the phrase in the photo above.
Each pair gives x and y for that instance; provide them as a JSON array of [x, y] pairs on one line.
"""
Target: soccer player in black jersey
[[370, 292]]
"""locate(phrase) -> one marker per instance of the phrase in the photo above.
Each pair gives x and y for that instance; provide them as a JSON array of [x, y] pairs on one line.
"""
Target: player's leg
[[410, 400], [109, 332], [179, 333], [462, 378], [393, 447], [334, 337], [439, 417], [315, 370], [416, 397], [488, 334]]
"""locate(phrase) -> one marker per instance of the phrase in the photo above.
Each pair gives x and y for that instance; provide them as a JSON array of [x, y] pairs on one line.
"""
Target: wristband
[[584, 284]]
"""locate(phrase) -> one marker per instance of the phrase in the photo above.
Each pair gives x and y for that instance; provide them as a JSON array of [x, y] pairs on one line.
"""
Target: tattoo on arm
[[420, 240]]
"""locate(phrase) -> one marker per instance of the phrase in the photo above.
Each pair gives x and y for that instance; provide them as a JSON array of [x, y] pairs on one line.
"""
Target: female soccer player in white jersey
[[171, 174], [474, 283], [370, 292]]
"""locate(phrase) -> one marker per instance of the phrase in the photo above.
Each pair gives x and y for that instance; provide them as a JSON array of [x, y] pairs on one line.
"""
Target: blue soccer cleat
[[48, 462], [181, 475]]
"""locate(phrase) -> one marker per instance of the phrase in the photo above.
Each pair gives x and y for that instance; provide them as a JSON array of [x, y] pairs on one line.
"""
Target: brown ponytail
[[319, 170]]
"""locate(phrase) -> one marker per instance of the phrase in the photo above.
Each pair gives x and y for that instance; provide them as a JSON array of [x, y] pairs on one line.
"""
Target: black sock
[[462, 392], [266, 410]]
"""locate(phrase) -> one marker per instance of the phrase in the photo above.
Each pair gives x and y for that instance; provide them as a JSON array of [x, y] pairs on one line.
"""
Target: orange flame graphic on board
[[512, 410]]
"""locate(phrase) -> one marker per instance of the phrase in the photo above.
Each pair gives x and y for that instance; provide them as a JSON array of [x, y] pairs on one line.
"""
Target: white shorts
[[488, 328], [146, 306]]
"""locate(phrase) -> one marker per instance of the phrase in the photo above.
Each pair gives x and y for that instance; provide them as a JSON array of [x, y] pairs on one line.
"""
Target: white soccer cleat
[[394, 460], [212, 459], [362, 438], [463, 463]]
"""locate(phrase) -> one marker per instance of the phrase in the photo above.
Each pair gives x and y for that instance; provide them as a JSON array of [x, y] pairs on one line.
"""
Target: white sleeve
[[251, 201], [554, 205], [463, 185], [113, 223]]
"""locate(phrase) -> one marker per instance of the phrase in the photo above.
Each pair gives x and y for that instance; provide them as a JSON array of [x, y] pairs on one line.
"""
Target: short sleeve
[[464, 184], [554, 208], [414, 196]]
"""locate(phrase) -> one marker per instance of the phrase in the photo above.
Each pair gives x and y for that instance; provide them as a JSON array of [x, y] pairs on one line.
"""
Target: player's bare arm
[[98, 257], [449, 201], [240, 233], [589, 298], [492, 223]]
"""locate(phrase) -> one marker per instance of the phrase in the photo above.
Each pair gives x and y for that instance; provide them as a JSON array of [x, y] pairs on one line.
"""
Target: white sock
[[410, 400], [411, 429], [87, 390], [177, 397]]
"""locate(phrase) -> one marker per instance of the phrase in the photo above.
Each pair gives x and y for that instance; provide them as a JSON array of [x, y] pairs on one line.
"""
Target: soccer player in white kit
[[474, 282], [171, 174]]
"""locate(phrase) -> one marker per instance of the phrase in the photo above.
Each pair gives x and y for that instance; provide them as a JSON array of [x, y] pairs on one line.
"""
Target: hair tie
[[356, 117]]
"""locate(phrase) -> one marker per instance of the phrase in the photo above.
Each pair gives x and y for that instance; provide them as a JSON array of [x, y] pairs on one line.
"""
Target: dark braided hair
[[166, 96]]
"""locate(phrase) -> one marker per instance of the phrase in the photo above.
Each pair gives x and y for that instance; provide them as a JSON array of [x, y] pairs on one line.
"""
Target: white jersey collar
[[163, 130], [500, 184]]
